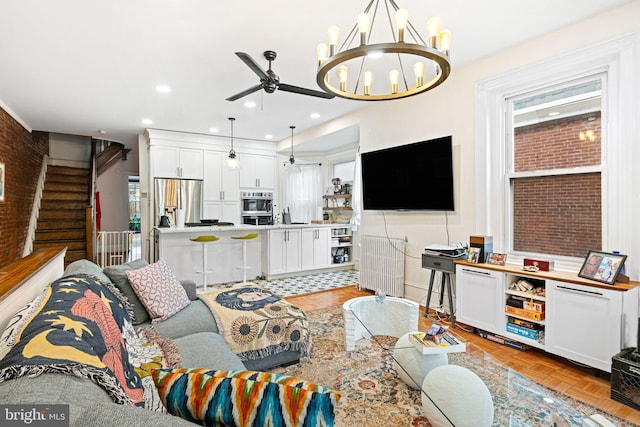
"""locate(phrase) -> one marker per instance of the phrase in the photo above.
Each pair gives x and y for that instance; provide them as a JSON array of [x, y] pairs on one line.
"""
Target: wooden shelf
[[342, 208], [337, 196]]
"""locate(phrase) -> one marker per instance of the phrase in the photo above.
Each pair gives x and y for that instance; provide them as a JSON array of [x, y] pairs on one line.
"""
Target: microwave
[[256, 203]]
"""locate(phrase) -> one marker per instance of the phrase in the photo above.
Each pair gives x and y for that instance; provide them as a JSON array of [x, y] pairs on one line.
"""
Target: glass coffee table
[[517, 401]]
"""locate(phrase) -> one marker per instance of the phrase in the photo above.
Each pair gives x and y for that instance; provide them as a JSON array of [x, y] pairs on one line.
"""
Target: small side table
[[447, 267]]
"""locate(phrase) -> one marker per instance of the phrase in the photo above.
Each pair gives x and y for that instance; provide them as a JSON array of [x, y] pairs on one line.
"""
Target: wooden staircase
[[61, 221]]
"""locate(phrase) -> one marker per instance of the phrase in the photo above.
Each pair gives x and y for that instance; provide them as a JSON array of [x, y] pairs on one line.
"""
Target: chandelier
[[369, 61]]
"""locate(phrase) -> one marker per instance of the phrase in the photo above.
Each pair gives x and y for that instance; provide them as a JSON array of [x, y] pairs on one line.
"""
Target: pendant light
[[292, 167], [232, 160]]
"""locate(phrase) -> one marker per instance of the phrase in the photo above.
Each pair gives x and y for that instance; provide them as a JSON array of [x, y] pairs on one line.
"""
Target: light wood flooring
[[585, 384]]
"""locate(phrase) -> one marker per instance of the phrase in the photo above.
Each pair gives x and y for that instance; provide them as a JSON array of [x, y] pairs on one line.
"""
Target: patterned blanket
[[256, 323], [78, 326]]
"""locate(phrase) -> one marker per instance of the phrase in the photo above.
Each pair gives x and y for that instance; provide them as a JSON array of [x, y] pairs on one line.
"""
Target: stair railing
[[35, 208], [117, 247]]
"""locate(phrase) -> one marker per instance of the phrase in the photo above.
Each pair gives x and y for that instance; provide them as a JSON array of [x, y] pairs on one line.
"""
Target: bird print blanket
[[78, 326], [256, 323]]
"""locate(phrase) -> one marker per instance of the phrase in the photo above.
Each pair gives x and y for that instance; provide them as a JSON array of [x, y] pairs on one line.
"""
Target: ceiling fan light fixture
[[405, 48]]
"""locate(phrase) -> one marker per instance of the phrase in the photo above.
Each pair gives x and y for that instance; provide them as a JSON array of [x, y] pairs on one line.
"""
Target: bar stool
[[244, 266], [204, 241]]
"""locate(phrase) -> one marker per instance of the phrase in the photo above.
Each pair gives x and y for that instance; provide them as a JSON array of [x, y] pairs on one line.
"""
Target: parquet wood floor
[[583, 383]]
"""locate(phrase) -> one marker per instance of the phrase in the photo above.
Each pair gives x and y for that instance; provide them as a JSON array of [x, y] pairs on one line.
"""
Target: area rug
[[303, 284], [373, 395]]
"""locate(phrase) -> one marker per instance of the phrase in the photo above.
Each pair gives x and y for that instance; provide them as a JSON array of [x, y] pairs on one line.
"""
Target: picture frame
[[496, 258], [474, 255], [602, 266], [2, 180]]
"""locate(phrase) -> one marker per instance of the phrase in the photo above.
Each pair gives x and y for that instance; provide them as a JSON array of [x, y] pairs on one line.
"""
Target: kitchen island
[[280, 250]]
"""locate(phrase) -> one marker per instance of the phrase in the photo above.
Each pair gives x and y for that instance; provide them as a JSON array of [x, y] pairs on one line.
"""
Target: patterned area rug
[[373, 395], [304, 284]]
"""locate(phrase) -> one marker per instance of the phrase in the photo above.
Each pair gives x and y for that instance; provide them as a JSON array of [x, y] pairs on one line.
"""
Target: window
[[344, 171], [517, 184], [554, 175]]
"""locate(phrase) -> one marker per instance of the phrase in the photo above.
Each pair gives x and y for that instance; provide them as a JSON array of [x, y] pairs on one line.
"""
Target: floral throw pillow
[[244, 398], [159, 290]]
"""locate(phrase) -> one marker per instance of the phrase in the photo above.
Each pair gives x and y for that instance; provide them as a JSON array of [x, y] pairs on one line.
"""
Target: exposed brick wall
[[21, 152], [559, 215], [555, 144]]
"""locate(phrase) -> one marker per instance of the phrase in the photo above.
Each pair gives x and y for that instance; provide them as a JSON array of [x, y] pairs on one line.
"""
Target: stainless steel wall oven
[[257, 207]]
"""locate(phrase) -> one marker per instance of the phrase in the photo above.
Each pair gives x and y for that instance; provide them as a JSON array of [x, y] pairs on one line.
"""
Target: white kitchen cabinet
[[283, 251], [480, 298], [584, 323], [222, 211], [220, 182], [174, 162], [315, 250], [257, 171]]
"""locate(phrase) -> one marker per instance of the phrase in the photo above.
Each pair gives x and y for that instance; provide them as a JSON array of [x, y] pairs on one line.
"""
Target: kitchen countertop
[[241, 227]]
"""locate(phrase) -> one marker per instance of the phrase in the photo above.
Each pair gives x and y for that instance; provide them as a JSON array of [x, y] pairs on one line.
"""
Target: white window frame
[[617, 60]]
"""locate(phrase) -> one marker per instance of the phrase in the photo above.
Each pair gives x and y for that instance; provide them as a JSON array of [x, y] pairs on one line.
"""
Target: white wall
[[69, 150], [113, 186], [448, 110]]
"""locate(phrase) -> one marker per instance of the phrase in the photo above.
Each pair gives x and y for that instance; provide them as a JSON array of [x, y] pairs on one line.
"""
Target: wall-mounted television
[[416, 176]]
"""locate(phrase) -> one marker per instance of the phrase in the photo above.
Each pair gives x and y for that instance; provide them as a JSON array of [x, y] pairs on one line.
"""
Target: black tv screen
[[416, 176]]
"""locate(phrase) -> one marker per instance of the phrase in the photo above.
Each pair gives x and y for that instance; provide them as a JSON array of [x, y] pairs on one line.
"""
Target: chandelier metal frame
[[419, 49]]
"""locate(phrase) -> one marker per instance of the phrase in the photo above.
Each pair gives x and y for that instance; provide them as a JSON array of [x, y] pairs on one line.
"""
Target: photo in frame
[[2, 182], [496, 258], [602, 266], [474, 255]]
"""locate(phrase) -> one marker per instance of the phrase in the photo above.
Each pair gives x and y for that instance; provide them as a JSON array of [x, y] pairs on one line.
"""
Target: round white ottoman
[[460, 394], [413, 364]]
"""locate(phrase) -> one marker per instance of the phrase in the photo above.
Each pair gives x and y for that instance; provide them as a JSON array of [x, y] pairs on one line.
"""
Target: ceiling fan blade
[[253, 65], [245, 92], [303, 91]]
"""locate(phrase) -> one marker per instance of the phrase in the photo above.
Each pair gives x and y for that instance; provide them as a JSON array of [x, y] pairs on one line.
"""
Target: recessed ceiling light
[[147, 121], [250, 104], [214, 130], [315, 115], [163, 89], [375, 54], [268, 136], [102, 132]]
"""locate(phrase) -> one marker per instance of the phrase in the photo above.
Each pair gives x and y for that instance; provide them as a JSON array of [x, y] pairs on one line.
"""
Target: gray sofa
[[193, 330]]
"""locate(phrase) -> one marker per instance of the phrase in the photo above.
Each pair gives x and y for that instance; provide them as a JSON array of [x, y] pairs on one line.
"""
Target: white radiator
[[382, 265]]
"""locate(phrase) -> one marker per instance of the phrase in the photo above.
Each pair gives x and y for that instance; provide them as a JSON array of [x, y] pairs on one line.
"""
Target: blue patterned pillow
[[244, 398]]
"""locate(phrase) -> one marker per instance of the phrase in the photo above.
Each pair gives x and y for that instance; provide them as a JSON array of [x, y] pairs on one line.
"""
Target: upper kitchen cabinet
[[220, 182], [257, 171], [174, 162]]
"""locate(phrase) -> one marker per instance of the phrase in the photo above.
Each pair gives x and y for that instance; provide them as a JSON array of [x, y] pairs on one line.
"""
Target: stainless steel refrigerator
[[173, 194]]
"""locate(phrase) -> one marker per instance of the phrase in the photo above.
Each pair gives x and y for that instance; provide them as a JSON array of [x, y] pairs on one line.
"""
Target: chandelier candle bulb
[[334, 35], [342, 77], [418, 69], [367, 78], [363, 27], [393, 78], [402, 17], [322, 53], [445, 41], [433, 28]]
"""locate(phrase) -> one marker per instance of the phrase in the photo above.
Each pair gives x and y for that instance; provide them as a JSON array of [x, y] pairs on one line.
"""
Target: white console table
[[585, 321]]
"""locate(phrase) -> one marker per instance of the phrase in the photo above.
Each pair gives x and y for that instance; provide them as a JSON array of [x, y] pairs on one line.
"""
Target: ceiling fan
[[269, 81]]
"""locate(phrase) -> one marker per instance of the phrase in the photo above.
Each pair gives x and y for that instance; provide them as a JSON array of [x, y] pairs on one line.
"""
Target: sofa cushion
[[159, 290], [123, 416], [117, 275], [244, 398], [84, 266], [206, 349], [196, 317]]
